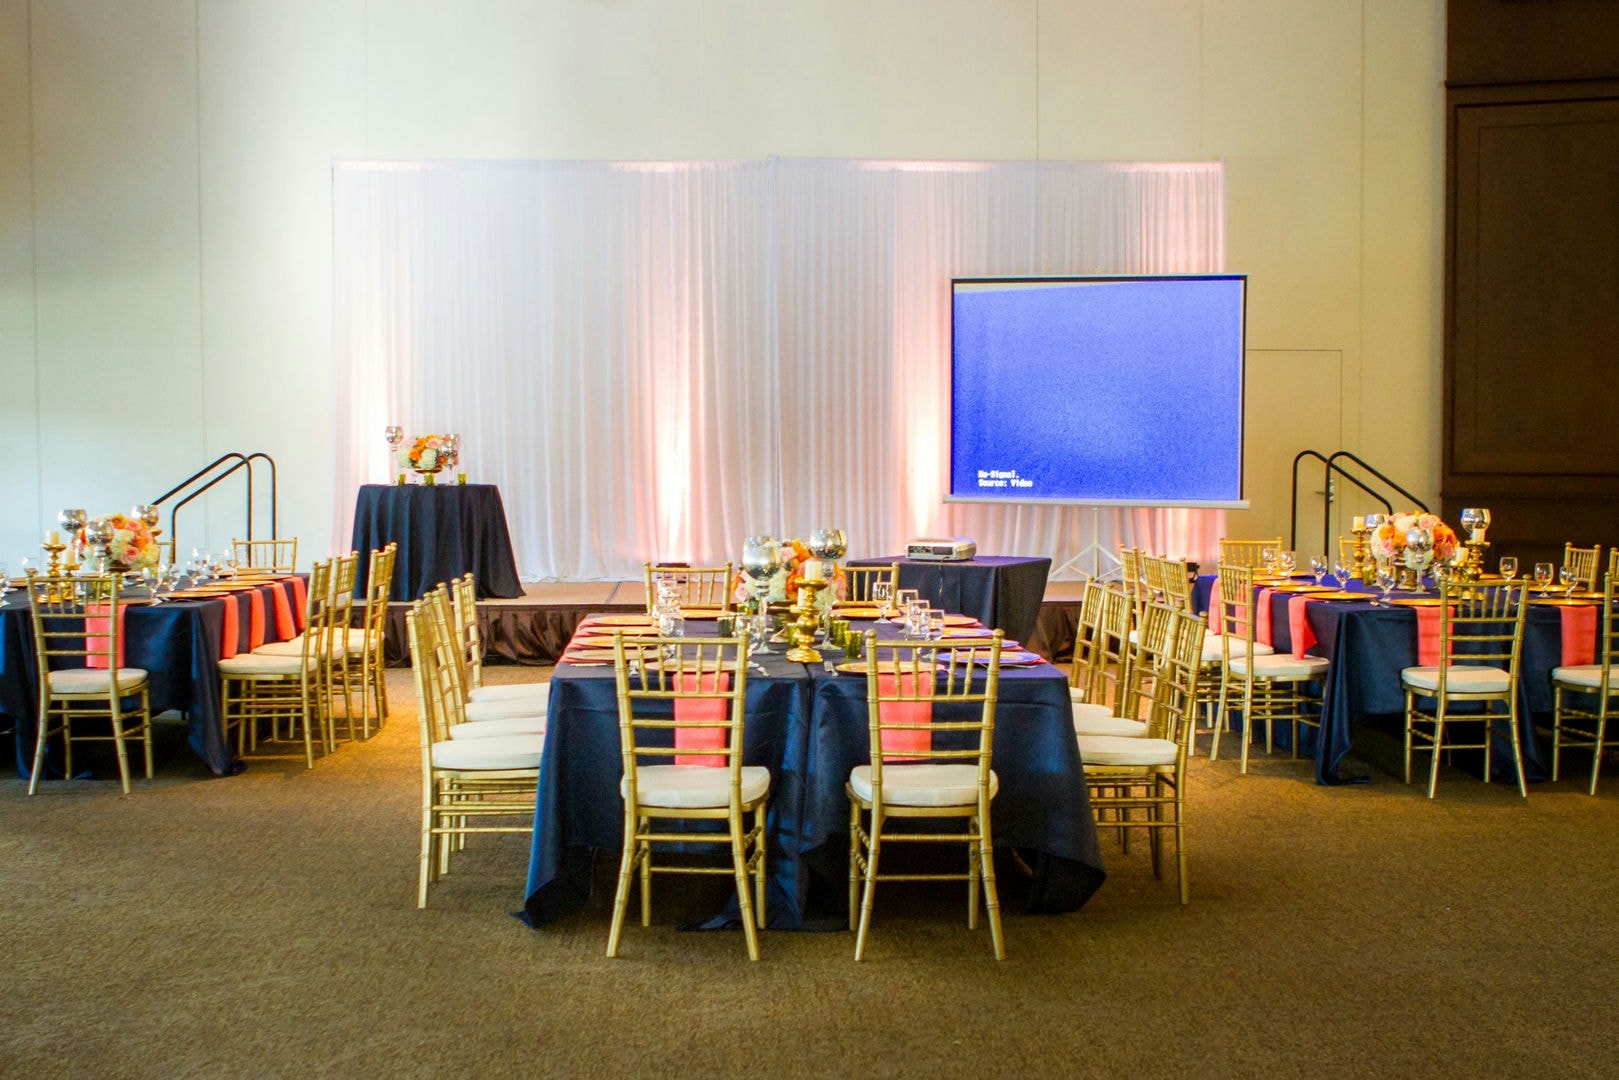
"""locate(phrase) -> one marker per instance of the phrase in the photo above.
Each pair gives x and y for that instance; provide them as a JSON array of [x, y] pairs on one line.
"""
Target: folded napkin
[[228, 645], [702, 711], [93, 627], [1262, 632], [909, 741], [1579, 635], [1298, 622], [1427, 636], [300, 602], [255, 620], [286, 628]]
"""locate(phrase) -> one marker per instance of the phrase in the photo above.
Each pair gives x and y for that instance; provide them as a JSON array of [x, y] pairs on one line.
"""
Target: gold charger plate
[[620, 620], [1565, 601], [857, 612], [853, 667], [1417, 601], [574, 655], [1343, 594]]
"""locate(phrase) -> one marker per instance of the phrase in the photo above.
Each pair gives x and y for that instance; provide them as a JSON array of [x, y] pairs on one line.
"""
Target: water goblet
[[1268, 557], [882, 594], [1318, 568], [1285, 562], [1544, 573], [1509, 568], [1342, 571], [1385, 583], [1565, 577]]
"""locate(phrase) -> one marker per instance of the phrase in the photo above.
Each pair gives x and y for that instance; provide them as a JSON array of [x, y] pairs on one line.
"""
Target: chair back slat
[[279, 556], [1582, 564], [696, 586], [654, 676], [959, 679], [1481, 625], [860, 579], [1248, 553]]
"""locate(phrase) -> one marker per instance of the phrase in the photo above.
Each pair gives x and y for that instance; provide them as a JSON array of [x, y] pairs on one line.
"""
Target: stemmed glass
[[1285, 562], [395, 435], [1385, 583], [1318, 568], [1341, 571], [882, 594], [1267, 556], [5, 582], [1544, 574], [761, 558], [228, 567], [1509, 568], [1565, 576]]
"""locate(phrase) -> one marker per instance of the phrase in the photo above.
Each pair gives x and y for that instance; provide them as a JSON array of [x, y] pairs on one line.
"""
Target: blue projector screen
[[1097, 390]]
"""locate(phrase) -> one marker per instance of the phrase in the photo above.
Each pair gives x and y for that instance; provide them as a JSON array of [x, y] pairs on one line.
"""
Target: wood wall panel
[[1531, 418]]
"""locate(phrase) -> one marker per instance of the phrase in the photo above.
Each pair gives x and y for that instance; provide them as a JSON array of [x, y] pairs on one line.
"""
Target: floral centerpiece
[[430, 453], [1388, 542], [784, 583], [133, 547]]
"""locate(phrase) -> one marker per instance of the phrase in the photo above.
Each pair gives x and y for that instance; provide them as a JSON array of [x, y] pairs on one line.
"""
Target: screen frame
[[1240, 503]]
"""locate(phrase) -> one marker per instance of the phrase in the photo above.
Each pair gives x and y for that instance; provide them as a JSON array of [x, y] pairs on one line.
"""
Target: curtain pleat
[[654, 360]]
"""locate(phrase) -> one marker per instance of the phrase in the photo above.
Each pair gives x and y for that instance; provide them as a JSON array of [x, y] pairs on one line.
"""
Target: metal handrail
[[1332, 467], [241, 461]]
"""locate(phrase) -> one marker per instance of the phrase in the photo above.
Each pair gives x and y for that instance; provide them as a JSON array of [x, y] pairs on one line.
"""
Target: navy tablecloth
[[177, 643], [809, 728], [1004, 592], [443, 531]]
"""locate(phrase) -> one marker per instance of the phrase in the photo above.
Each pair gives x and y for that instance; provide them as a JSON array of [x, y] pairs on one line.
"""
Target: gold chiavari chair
[[76, 639], [345, 573], [466, 782], [288, 681], [1155, 589], [1270, 682], [1247, 553], [1132, 579], [1346, 550], [703, 681], [1112, 697], [1582, 565], [508, 701], [1575, 722], [1148, 773], [362, 646], [703, 587], [465, 718], [1086, 641], [1480, 646], [275, 556], [861, 578], [924, 765]]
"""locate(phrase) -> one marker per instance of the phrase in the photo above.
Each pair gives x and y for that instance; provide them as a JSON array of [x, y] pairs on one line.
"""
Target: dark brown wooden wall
[[1531, 424]]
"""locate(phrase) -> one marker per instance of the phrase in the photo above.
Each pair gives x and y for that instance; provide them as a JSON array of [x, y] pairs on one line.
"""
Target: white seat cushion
[[693, 787], [491, 729], [1276, 666], [1089, 711], [1076, 694], [1091, 724], [531, 692], [503, 753], [258, 663], [505, 710], [1117, 750], [95, 680], [924, 785], [1588, 675], [293, 648], [1238, 647], [1459, 679]]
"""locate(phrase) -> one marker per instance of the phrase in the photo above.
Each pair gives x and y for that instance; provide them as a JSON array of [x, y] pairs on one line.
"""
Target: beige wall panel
[[924, 79], [20, 509], [1120, 82], [282, 90], [115, 180], [1282, 108], [1403, 242], [507, 79]]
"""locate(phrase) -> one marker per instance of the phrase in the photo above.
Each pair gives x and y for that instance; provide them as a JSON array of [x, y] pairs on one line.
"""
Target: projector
[[941, 549]]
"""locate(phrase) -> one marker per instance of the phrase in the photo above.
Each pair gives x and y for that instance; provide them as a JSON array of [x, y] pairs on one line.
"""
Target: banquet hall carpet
[[266, 925]]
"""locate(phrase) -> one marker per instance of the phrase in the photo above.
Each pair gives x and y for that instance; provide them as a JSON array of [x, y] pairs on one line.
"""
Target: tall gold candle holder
[[802, 629], [54, 549]]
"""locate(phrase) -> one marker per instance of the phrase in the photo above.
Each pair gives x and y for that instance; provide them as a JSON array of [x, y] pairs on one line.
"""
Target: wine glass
[[1385, 582], [761, 558], [1565, 576], [395, 435], [1318, 568], [1342, 572], [882, 594], [228, 567], [1267, 556], [1509, 568], [1286, 561], [5, 582], [1544, 573]]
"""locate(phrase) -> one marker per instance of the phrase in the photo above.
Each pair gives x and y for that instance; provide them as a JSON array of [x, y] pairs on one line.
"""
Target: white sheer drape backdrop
[[654, 360]]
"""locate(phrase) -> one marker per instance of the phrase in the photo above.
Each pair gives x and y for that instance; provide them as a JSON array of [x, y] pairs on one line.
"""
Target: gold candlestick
[[54, 549], [803, 628]]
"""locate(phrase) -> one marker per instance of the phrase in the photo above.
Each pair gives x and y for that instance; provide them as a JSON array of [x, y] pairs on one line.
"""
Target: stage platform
[[533, 628]]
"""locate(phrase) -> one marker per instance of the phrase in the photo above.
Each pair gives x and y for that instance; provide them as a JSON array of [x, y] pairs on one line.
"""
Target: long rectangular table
[[179, 644], [809, 728], [1368, 644]]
